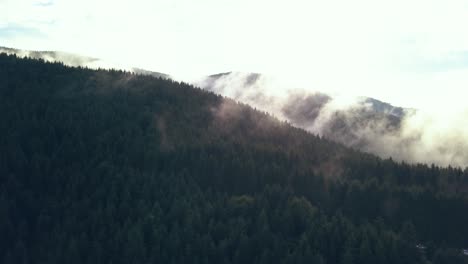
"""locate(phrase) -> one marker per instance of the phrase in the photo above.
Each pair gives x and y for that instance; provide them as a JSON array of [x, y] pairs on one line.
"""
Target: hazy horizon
[[412, 54]]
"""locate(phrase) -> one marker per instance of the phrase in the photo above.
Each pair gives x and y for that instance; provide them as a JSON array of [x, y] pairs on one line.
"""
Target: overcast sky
[[409, 52]]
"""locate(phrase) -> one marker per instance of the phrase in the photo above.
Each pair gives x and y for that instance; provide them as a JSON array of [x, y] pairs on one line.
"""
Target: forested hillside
[[113, 167]]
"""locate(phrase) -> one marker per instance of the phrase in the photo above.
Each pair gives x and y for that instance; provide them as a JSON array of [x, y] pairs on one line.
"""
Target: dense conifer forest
[[100, 166]]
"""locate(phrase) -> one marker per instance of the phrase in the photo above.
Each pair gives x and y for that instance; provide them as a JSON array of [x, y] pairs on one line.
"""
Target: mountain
[[362, 123], [104, 166], [53, 56], [385, 108], [75, 60], [359, 126], [367, 124]]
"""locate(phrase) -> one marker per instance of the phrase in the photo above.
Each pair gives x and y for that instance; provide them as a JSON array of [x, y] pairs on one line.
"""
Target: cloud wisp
[[366, 124]]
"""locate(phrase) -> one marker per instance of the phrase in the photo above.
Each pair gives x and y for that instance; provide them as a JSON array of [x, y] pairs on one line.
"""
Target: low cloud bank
[[367, 124], [438, 136]]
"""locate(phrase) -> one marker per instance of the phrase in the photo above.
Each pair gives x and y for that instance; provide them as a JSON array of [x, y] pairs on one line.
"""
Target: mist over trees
[[363, 123], [366, 124], [112, 167]]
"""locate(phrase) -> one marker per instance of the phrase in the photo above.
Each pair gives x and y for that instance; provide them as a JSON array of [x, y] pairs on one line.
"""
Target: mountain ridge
[[75, 60], [362, 123], [317, 112]]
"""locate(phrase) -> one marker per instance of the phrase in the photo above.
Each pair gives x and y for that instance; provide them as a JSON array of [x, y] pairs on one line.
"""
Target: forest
[[106, 166]]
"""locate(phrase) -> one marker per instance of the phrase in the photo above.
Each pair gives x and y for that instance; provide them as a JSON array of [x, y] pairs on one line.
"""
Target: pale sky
[[411, 53]]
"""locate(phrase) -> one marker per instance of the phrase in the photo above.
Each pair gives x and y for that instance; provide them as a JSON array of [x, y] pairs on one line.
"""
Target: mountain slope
[[113, 167], [362, 123]]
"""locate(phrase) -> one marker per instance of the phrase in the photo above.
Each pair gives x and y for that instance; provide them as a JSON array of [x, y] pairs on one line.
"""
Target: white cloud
[[392, 50]]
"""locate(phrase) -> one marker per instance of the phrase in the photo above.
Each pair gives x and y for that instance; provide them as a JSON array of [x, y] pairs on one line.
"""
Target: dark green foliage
[[111, 167]]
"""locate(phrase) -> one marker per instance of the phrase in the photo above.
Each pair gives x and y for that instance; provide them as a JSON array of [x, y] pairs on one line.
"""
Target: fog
[[438, 136], [75, 60]]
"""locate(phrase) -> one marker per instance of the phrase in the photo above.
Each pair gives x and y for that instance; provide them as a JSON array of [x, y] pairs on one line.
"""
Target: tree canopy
[[106, 166]]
